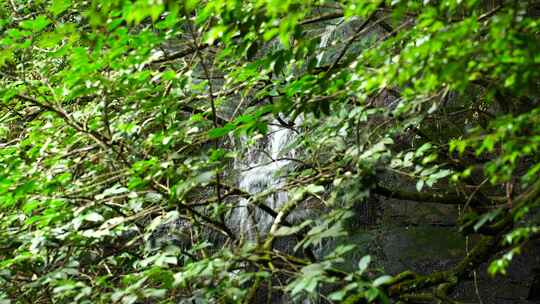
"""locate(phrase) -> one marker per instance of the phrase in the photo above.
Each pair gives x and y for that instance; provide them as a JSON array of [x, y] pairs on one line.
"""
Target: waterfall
[[325, 39], [262, 169]]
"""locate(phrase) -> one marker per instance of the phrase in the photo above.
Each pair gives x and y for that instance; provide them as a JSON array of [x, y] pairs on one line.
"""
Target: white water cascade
[[263, 168]]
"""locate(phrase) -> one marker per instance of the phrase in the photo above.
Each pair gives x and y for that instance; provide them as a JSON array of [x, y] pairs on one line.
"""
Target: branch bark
[[425, 197]]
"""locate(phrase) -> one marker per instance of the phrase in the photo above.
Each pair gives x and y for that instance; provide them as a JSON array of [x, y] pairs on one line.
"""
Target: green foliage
[[119, 118]]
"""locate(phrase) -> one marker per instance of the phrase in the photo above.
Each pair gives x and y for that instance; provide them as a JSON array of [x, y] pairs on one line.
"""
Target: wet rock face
[[423, 248], [423, 238], [515, 287], [534, 288], [399, 235], [176, 233]]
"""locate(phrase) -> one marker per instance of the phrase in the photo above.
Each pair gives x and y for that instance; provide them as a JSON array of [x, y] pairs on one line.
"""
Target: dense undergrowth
[[118, 118]]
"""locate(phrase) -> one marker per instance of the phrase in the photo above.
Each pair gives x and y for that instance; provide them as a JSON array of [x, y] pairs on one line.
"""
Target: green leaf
[[382, 280], [419, 185], [284, 231], [94, 217], [35, 25], [59, 6], [364, 263], [312, 188], [220, 132], [488, 217], [372, 294], [215, 33]]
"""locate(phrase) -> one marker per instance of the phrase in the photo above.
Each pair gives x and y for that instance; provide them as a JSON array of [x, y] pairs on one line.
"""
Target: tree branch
[[426, 197]]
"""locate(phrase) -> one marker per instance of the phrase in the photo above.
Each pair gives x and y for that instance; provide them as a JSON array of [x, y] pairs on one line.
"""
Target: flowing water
[[263, 168]]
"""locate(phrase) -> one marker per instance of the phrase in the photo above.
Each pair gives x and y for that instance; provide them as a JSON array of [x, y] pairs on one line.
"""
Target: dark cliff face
[[404, 235], [534, 288]]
